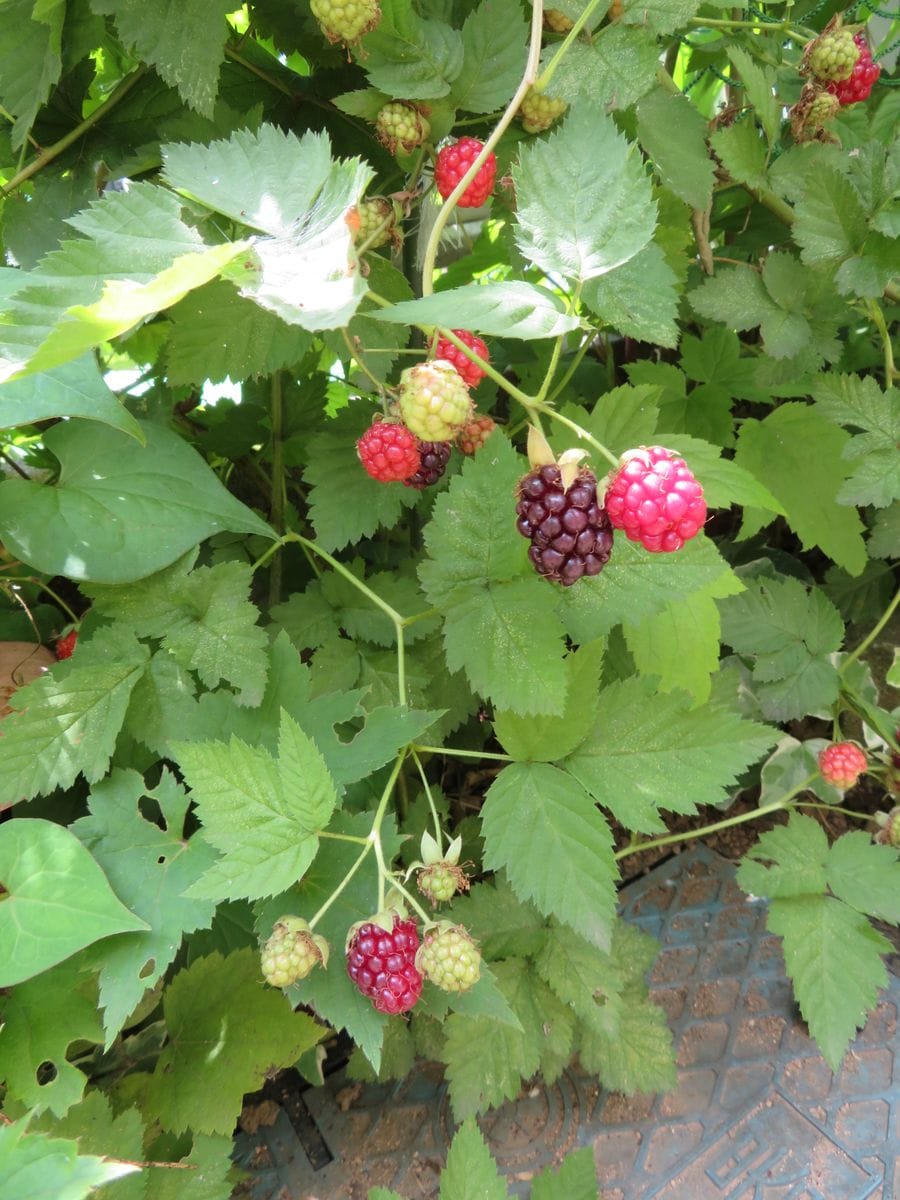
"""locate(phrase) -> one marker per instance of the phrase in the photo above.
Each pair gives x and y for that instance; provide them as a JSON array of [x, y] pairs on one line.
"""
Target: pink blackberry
[[841, 764], [471, 373], [655, 499], [389, 452], [475, 433], [863, 78], [570, 533], [452, 163], [434, 457], [383, 965]]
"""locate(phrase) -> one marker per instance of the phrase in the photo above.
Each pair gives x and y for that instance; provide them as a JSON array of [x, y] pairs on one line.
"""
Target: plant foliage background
[[286, 672]]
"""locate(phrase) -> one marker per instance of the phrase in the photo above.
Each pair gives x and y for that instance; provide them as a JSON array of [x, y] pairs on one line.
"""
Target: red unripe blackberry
[[655, 499], [65, 645], [863, 78], [383, 965], [841, 764], [389, 452], [475, 433], [452, 163], [434, 457], [472, 374], [570, 533]]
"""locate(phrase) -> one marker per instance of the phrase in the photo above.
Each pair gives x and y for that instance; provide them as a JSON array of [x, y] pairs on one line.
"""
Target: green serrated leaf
[[639, 298], [860, 403], [555, 846], [651, 750], [184, 40], [37, 1167], [498, 625], [504, 925], [411, 56], [494, 36], [226, 1029], [584, 204], [576, 1179], [41, 1020], [639, 1057], [67, 721], [865, 875], [583, 977], [554, 737], [470, 1172], [345, 503], [30, 62], [74, 390], [742, 153], [515, 310], [758, 82], [120, 510], [97, 1131], [218, 334], [612, 71], [833, 957], [305, 271], [673, 133], [203, 617], [151, 868], [797, 853], [262, 814], [775, 451]]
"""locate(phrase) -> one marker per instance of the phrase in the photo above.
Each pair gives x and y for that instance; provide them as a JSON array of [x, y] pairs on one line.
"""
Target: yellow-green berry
[[538, 111]]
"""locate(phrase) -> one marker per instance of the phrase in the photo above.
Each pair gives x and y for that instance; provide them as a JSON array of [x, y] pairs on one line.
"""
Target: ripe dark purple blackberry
[[434, 457], [570, 532]]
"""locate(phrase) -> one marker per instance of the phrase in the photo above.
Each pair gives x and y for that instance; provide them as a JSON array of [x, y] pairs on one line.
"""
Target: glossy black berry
[[434, 458], [569, 531]]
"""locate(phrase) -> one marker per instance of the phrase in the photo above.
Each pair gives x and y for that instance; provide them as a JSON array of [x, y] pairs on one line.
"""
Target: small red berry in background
[[655, 499], [452, 163], [389, 452], [382, 965], [862, 79], [66, 644], [471, 373], [841, 764]]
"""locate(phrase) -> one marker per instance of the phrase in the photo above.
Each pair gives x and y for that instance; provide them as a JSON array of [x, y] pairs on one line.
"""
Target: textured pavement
[[756, 1114]]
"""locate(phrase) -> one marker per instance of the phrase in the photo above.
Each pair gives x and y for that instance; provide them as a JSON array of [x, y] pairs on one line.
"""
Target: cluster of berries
[[653, 498], [434, 410], [386, 959], [840, 71]]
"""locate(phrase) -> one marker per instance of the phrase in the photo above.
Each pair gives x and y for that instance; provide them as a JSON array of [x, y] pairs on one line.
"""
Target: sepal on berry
[[449, 957]]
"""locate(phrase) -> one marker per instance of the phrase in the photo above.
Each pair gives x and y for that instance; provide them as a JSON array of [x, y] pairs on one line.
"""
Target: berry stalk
[[543, 80]]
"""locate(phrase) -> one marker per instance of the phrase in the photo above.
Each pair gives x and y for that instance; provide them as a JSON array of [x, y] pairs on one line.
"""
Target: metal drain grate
[[756, 1115]]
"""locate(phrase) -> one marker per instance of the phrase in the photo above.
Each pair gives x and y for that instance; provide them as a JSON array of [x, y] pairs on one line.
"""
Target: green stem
[[740, 819], [438, 832], [531, 66], [7, 116], [872, 635], [429, 612], [356, 355], [461, 753], [343, 837], [543, 81], [278, 84], [375, 831], [583, 434], [54, 151], [277, 495], [340, 887], [45, 587], [491, 372], [411, 900], [390, 613], [572, 367], [890, 372], [848, 812]]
